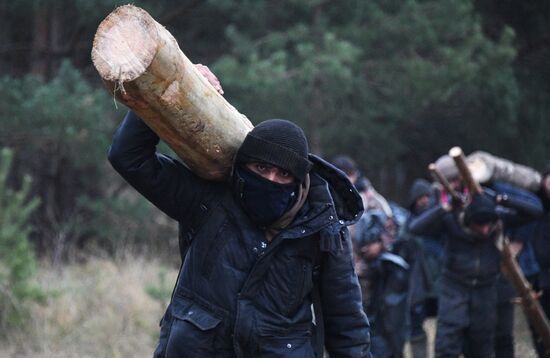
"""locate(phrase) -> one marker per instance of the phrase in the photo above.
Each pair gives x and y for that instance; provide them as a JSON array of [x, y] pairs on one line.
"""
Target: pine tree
[[17, 259]]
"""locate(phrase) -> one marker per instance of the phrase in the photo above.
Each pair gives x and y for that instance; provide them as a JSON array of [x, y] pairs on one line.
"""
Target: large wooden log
[[143, 66], [486, 167]]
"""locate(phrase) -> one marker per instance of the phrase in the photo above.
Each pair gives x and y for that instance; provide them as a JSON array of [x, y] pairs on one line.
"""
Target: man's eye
[[261, 167], [284, 173]]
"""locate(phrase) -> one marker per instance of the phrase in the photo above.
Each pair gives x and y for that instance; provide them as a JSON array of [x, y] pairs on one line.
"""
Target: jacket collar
[[333, 203]]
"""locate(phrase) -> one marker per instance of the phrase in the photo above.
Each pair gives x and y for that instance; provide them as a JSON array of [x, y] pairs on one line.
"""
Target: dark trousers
[[466, 320], [504, 335], [417, 336], [386, 347], [418, 315]]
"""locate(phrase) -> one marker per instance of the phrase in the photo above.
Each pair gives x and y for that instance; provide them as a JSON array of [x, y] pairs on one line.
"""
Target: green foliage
[[17, 259], [305, 72], [122, 222], [61, 130], [162, 291], [392, 83], [426, 70], [378, 83], [64, 117]]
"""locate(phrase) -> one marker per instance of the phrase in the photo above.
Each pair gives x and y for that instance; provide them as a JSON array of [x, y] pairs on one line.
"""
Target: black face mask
[[264, 201]]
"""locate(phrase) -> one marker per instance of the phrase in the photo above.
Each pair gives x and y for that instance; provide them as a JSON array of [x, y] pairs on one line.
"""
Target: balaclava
[[277, 142]]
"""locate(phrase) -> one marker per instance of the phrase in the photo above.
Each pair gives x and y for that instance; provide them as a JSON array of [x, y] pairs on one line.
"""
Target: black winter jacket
[[237, 295], [467, 259]]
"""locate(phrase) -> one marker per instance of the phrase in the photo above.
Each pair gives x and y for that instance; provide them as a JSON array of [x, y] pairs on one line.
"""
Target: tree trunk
[[144, 68], [57, 35], [5, 36], [40, 41]]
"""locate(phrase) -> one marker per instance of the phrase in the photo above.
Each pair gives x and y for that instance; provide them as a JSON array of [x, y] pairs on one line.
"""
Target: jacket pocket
[[295, 345], [193, 331]]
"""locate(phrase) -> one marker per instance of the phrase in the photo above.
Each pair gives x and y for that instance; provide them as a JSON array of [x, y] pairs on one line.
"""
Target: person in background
[[521, 249], [384, 274], [467, 315], [426, 268], [384, 278]]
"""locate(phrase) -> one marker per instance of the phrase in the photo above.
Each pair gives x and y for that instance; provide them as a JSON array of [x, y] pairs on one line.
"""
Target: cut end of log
[[455, 152], [124, 44], [143, 66], [481, 172]]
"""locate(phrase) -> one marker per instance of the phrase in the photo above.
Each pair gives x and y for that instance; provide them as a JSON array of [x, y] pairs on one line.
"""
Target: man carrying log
[[257, 250], [467, 314]]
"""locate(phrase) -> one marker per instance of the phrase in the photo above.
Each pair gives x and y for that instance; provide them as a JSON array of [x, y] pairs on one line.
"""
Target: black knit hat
[[278, 142], [546, 171], [480, 211]]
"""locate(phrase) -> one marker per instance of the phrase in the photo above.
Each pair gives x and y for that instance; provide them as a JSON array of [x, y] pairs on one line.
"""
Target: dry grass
[[99, 309]]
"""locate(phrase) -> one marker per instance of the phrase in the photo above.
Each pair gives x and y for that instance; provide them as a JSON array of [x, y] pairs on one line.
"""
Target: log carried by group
[[143, 67], [486, 167]]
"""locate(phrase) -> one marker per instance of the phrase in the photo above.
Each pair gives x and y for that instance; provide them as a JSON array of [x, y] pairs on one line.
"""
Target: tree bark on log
[[486, 167], [143, 66]]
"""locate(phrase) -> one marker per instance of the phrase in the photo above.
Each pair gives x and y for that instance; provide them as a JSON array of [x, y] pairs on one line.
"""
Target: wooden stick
[[438, 177], [460, 160], [531, 305]]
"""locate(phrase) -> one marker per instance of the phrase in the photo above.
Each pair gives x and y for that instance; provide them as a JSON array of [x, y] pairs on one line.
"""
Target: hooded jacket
[[419, 188], [238, 295]]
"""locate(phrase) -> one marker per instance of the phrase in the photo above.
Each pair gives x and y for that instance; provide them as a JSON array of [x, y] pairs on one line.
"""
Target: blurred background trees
[[17, 258], [394, 84]]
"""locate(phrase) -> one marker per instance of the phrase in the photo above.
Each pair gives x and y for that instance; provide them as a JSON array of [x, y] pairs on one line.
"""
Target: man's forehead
[[266, 164]]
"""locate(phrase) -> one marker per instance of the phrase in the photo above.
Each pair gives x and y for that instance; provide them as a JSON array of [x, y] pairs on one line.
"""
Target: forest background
[[392, 83]]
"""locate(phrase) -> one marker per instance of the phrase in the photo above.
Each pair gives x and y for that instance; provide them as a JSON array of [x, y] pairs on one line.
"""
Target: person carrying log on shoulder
[[257, 250], [467, 312]]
